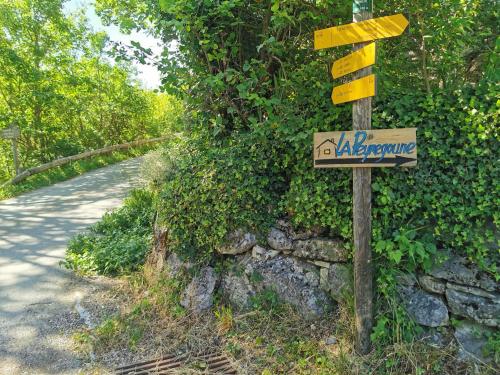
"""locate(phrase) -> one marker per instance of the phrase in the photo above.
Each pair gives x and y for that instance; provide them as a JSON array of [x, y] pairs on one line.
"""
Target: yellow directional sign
[[365, 31], [357, 60], [358, 89]]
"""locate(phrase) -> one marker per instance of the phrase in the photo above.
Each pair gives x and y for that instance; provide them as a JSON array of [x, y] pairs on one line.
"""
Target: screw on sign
[[362, 148]]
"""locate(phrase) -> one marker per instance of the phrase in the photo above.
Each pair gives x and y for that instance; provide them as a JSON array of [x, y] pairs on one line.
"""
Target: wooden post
[[363, 273], [14, 152]]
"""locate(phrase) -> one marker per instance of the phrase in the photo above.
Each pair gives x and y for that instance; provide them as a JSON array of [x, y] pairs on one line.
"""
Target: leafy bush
[[217, 190], [119, 242], [157, 165]]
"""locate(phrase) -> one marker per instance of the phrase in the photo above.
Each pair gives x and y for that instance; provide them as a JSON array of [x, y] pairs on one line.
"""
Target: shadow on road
[[34, 290]]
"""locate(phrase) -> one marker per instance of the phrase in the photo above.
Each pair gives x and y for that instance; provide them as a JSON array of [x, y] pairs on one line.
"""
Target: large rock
[[471, 339], [436, 337], [431, 284], [339, 281], [321, 249], [174, 265], [476, 304], [238, 242], [294, 234], [278, 240], [236, 288], [406, 279], [198, 295], [426, 309], [294, 281], [459, 270]]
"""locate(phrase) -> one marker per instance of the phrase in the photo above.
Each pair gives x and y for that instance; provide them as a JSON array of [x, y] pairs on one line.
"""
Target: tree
[[59, 85]]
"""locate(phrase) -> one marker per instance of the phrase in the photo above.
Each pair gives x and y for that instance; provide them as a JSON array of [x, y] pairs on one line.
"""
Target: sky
[[148, 75]]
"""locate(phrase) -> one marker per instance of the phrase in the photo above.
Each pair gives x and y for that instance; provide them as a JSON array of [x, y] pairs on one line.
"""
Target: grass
[[271, 339], [68, 171]]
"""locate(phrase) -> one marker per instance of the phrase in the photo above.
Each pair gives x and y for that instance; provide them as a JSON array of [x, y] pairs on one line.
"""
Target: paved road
[[35, 292]]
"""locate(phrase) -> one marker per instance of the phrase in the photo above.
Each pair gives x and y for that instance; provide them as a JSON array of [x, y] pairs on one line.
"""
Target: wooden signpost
[[13, 134], [360, 59], [362, 148]]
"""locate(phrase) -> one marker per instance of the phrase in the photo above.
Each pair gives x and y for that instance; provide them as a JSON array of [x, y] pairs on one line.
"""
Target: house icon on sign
[[327, 148]]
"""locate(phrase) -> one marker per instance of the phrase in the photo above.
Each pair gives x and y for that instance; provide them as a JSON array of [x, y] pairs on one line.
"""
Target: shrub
[[119, 242], [217, 190], [159, 164]]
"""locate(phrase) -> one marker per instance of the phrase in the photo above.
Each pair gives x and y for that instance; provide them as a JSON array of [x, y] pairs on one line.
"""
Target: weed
[[225, 319], [267, 300], [118, 243]]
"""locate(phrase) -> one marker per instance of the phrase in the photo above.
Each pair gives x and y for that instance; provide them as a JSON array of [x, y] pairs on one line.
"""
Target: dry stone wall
[[454, 302]]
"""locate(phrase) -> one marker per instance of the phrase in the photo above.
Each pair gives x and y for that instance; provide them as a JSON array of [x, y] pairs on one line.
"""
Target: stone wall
[[305, 269], [454, 302]]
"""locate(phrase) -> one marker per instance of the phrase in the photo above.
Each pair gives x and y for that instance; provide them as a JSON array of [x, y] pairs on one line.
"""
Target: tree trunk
[[156, 258]]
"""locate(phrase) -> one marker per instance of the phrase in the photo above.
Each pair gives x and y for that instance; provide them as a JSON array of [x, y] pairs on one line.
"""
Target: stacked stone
[[455, 289], [312, 273], [305, 269]]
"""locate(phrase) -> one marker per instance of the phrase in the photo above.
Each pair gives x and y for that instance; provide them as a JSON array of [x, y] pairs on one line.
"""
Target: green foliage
[[148, 302], [58, 86], [161, 163], [492, 347], [392, 323], [267, 300], [118, 243], [118, 329], [216, 191], [166, 294]]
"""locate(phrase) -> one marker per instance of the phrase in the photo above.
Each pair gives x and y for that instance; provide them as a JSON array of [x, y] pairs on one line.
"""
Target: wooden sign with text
[[358, 89], [365, 31], [11, 132], [359, 59], [366, 148]]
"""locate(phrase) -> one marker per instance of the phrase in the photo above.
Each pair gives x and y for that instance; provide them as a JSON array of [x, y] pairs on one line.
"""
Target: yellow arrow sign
[[357, 60], [375, 28], [358, 89]]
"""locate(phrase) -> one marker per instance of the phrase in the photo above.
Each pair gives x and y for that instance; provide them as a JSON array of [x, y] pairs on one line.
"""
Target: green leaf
[[396, 256], [165, 4]]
